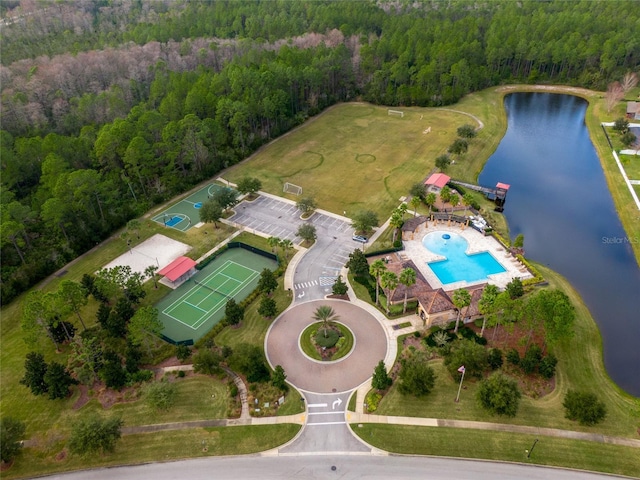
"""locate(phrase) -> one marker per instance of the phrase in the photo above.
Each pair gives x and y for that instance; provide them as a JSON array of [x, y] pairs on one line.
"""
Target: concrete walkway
[[496, 427], [390, 420]]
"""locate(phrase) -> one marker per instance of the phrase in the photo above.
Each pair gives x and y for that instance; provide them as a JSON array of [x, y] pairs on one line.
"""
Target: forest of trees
[[110, 107]]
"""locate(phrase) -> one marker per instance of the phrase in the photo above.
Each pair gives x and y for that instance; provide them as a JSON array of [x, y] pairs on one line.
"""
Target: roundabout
[[283, 348]]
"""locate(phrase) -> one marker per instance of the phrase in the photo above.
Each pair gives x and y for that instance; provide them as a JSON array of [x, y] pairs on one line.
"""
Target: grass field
[[161, 446], [355, 157], [502, 446], [631, 164]]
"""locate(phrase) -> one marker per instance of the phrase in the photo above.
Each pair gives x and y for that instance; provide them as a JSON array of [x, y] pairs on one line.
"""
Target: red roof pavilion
[[502, 186], [177, 268], [438, 180]]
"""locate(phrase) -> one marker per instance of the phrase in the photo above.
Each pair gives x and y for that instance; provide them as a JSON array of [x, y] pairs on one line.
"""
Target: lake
[[560, 202]]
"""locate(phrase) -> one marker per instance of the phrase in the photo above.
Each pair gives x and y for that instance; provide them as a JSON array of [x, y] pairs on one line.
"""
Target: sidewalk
[[392, 335], [496, 427]]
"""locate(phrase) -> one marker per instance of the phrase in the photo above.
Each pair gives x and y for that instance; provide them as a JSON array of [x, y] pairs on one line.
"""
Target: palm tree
[[325, 314], [134, 226], [486, 304], [150, 271], [396, 222], [461, 299], [389, 281], [376, 269], [286, 245], [274, 243], [415, 203], [402, 209], [407, 278], [430, 201], [467, 200]]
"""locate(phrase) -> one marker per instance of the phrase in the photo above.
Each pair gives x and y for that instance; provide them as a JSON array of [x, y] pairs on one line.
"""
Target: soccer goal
[[398, 113], [291, 188]]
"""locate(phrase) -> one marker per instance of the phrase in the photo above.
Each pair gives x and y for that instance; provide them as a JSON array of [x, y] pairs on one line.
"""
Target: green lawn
[[631, 164], [503, 446], [375, 158], [253, 328], [159, 446]]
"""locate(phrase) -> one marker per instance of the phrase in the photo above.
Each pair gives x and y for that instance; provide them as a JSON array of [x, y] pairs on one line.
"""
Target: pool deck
[[414, 250]]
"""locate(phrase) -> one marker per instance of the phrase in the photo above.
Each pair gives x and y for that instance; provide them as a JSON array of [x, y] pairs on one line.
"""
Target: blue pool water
[[459, 266]]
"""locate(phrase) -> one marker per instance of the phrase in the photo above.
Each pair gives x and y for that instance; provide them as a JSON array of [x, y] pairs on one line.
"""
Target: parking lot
[[319, 268]]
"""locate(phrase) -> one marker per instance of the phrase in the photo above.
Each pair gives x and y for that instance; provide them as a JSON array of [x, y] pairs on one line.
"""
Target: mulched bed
[[534, 386]]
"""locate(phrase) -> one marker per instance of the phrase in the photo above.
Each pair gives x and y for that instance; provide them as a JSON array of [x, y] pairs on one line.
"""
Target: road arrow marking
[[301, 295], [336, 402]]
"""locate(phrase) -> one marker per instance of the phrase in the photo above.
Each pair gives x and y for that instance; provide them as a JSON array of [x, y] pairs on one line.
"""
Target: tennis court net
[[212, 289]]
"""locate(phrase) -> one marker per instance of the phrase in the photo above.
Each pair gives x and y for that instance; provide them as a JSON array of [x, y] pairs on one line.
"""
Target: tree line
[[110, 109]]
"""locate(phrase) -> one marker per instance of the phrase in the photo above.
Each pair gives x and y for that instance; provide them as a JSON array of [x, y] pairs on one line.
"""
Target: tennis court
[[195, 307], [186, 213]]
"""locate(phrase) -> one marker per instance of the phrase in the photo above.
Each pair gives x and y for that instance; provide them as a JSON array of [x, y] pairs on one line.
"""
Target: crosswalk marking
[[326, 281], [306, 284]]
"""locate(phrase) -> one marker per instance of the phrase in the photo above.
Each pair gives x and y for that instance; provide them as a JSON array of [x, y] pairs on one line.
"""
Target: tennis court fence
[[250, 248]]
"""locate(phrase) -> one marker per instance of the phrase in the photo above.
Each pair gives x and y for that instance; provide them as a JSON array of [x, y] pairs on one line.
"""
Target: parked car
[[360, 238]]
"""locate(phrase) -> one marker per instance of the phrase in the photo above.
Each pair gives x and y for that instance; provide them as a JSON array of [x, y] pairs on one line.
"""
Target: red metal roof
[[503, 186], [438, 179], [177, 268]]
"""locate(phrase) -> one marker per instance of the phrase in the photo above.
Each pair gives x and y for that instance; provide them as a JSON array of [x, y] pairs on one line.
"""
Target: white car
[[359, 238]]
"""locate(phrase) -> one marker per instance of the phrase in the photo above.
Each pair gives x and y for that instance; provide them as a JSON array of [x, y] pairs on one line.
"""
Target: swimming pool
[[458, 266]]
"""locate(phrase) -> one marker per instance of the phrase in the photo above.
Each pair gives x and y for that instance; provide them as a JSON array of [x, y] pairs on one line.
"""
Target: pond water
[[560, 201]]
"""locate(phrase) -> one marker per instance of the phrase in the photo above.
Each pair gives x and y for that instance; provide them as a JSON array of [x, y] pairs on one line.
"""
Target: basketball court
[[186, 213], [193, 308]]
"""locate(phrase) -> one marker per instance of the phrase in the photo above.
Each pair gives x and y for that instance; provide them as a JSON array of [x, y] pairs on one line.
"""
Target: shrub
[[547, 366], [499, 395], [469, 334], [513, 357], [372, 400], [531, 359], [369, 283], [397, 244], [35, 369], [416, 377], [95, 434], [181, 373], [183, 352], [140, 376], [381, 379], [160, 395], [206, 361], [233, 390], [495, 358], [584, 407], [279, 378], [326, 337], [11, 433], [473, 356], [249, 360]]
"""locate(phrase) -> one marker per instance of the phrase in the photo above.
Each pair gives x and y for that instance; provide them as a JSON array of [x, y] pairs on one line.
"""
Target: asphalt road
[[330, 467], [370, 346]]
